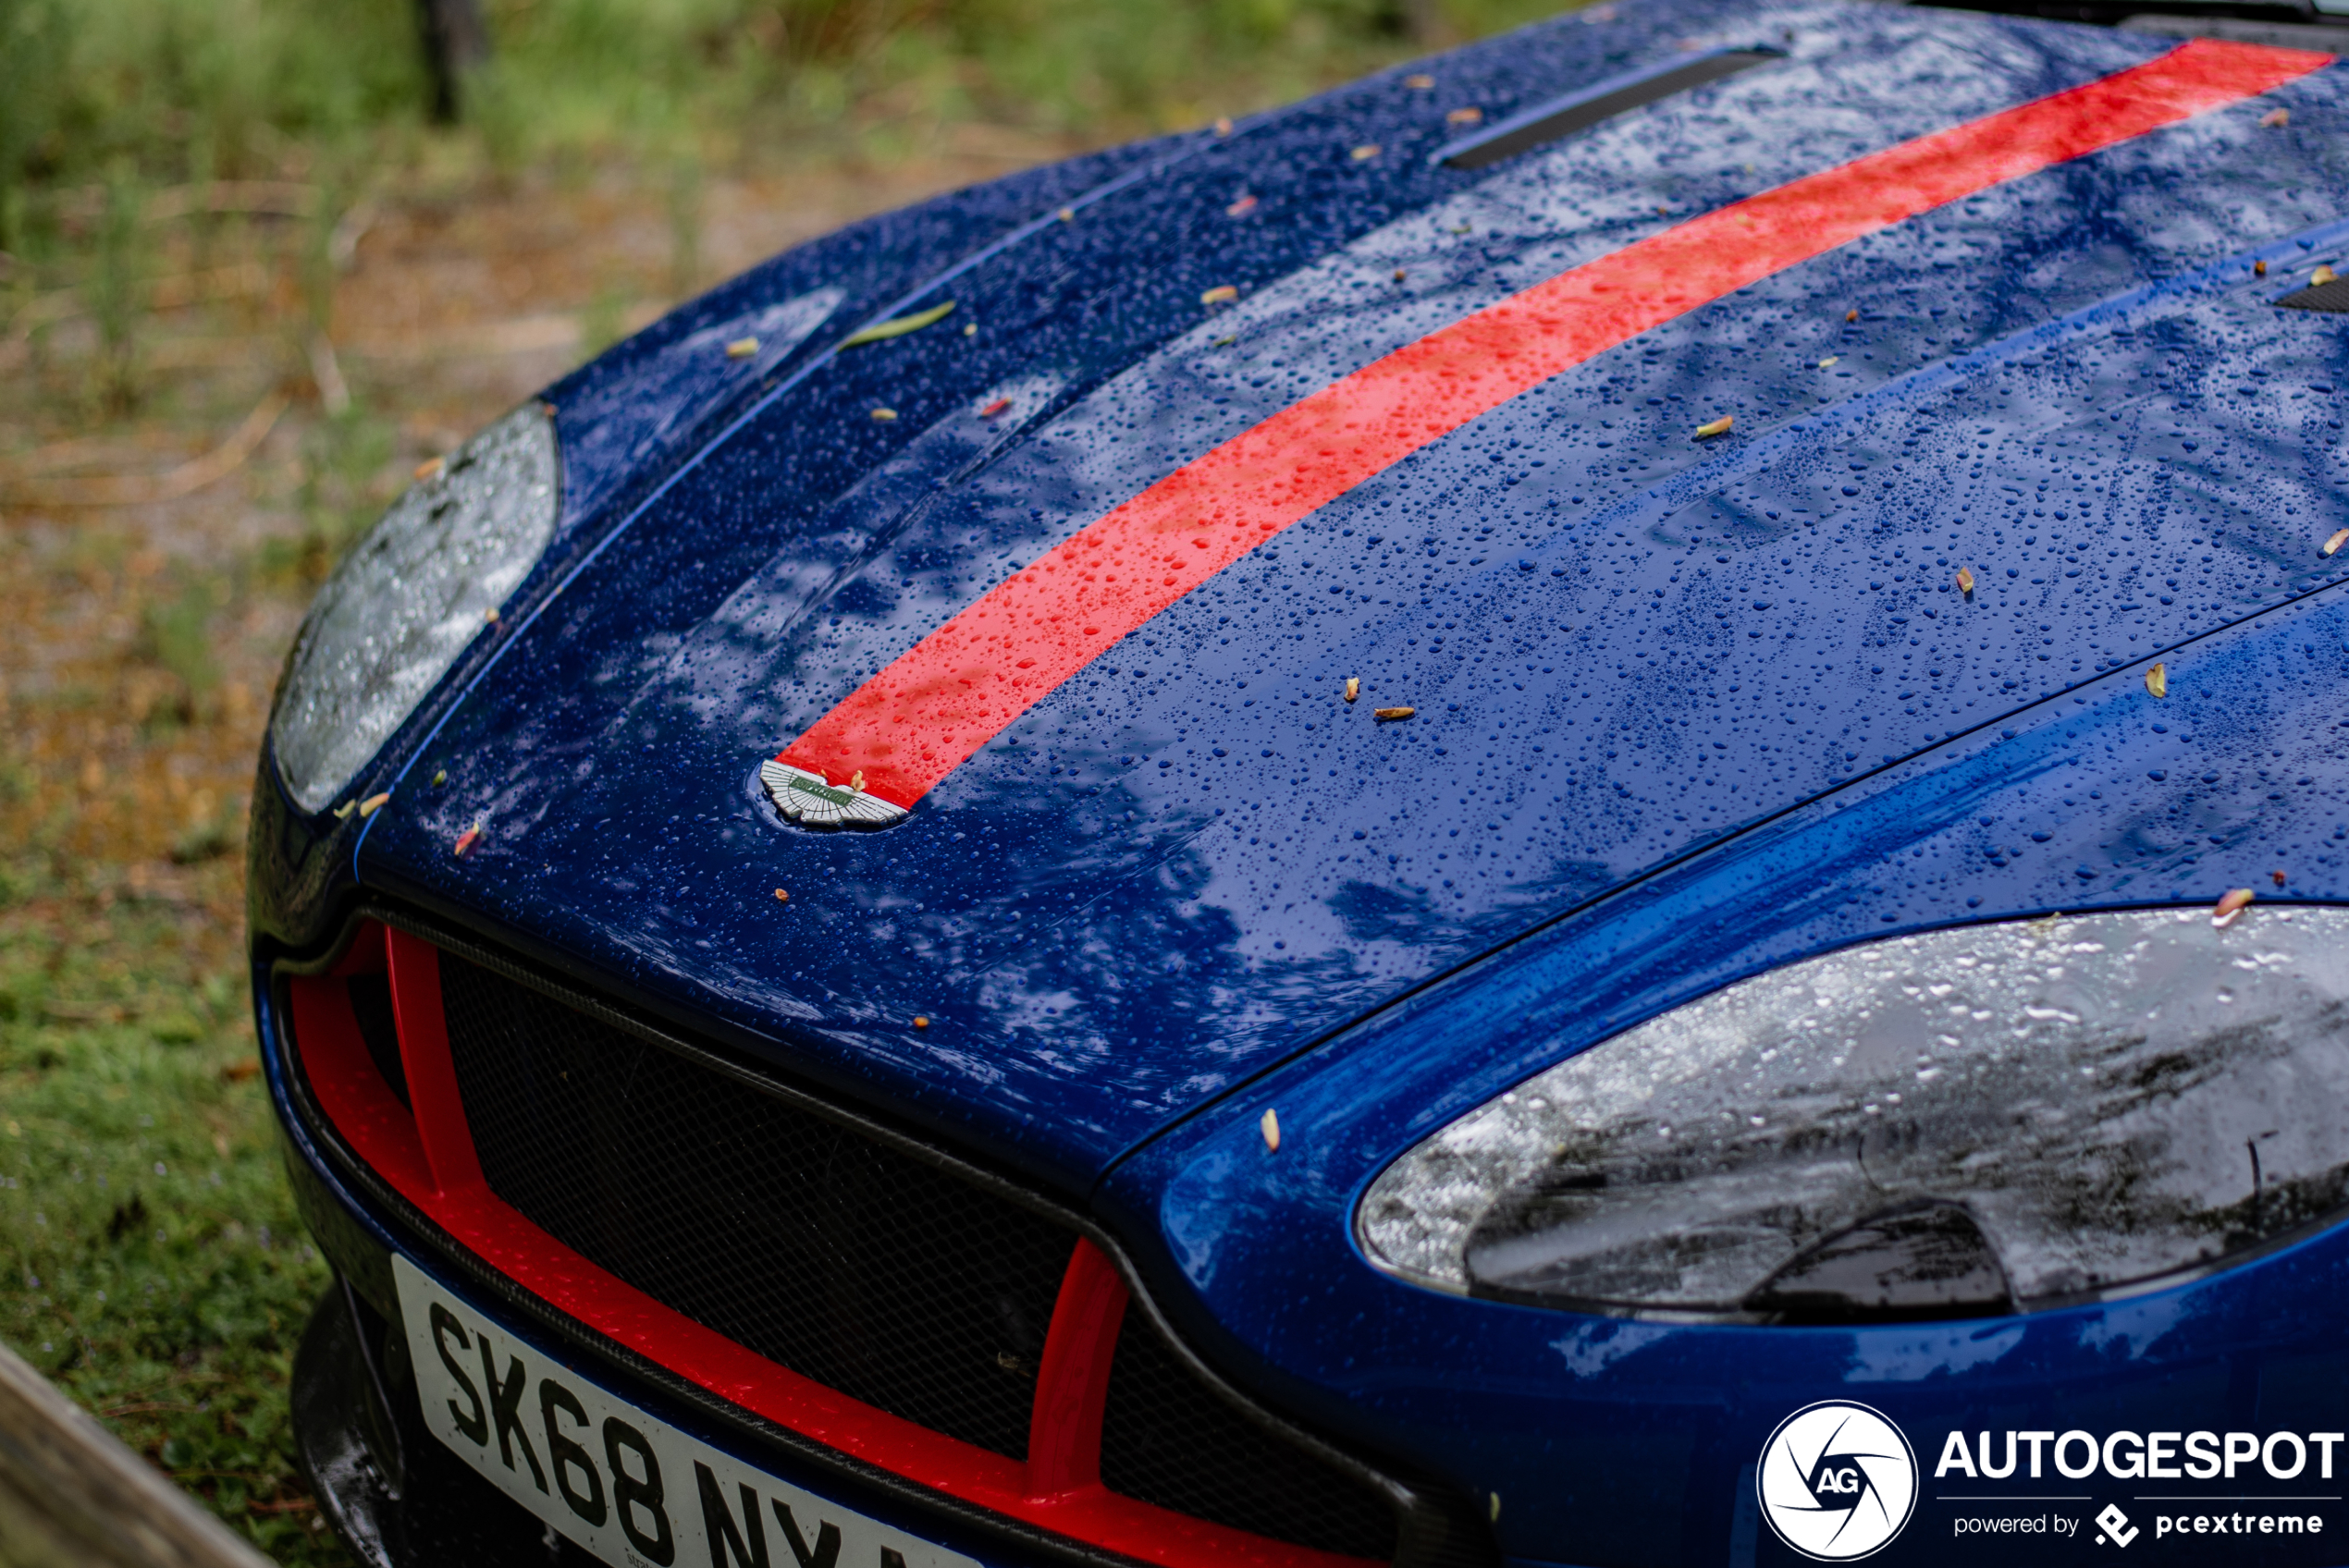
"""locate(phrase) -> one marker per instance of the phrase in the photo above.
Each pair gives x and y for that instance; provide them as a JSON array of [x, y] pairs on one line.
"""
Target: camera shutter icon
[[1838, 1481]]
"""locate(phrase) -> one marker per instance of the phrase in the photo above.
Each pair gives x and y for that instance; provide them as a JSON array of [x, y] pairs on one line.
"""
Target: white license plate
[[624, 1485]]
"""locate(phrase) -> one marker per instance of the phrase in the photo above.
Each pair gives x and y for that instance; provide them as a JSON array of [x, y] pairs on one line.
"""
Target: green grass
[[151, 1261], [157, 1270], [183, 89]]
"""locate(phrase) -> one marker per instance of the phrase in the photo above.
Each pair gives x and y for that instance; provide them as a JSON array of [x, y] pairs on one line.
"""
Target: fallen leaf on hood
[[1387, 714], [1240, 208], [1716, 427], [997, 407], [343, 812], [489, 616], [2234, 903], [432, 467], [1353, 687], [1221, 294], [1365, 153], [2279, 877], [1270, 1127], [2258, 269], [744, 347], [857, 779], [882, 330], [2322, 275], [2157, 681], [1419, 83], [884, 415], [1400, 275], [466, 839], [440, 777], [1828, 361], [2276, 118], [1851, 316], [1465, 117], [781, 897], [1066, 215], [1224, 342], [373, 805], [921, 1021], [2336, 541], [1965, 582]]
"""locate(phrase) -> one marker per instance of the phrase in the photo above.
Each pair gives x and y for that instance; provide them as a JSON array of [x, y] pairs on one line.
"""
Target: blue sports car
[[1589, 805]]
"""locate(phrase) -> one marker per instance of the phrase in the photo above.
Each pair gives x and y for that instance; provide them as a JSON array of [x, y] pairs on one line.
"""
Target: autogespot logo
[[1837, 1481]]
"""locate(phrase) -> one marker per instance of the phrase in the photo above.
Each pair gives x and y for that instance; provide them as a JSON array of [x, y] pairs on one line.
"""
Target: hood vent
[[1578, 111]]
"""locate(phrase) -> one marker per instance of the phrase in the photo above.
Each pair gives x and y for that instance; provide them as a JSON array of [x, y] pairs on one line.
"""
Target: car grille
[[844, 1259], [827, 1253], [1166, 1438], [2331, 297]]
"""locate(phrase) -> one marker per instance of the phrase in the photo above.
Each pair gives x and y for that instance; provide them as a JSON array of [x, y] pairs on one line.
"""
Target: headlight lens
[[1978, 1120], [408, 599]]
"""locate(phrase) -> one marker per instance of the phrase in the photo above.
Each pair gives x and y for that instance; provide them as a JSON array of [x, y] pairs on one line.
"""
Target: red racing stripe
[[914, 722]]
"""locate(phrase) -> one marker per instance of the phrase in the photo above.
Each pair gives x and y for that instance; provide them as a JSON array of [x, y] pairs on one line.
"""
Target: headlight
[[407, 600], [1985, 1120]]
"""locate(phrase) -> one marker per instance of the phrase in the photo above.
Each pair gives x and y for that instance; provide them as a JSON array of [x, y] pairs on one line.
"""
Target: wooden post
[[72, 1496], [455, 42]]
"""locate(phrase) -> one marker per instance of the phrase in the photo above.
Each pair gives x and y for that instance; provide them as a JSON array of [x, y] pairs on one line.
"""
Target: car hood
[[1620, 643]]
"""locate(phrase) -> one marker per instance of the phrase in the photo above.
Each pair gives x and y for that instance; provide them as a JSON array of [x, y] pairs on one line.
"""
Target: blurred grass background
[[246, 284], [172, 90]]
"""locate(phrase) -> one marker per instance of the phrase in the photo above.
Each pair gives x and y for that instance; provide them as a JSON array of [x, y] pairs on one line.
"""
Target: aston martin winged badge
[[811, 800]]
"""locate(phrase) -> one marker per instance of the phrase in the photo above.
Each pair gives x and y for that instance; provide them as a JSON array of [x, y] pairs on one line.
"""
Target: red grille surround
[[427, 1157]]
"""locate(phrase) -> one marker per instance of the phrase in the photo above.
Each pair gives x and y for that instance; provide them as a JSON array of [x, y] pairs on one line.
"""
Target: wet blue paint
[[1685, 710], [1594, 1428], [1622, 643]]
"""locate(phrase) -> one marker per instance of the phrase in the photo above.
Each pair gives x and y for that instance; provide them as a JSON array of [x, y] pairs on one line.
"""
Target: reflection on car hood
[[1619, 641]]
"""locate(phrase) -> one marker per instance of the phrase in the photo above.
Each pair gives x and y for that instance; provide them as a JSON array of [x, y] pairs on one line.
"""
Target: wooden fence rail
[[71, 1494]]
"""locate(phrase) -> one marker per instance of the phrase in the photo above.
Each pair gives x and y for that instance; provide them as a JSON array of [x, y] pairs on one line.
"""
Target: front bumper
[[1601, 1440], [366, 1195], [394, 1495]]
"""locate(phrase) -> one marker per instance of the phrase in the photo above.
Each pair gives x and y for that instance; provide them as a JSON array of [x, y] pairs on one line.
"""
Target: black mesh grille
[[1168, 1440], [2332, 297], [844, 1259], [841, 1259], [371, 1006]]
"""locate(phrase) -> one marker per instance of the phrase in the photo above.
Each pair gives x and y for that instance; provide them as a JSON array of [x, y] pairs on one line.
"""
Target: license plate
[[624, 1485]]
